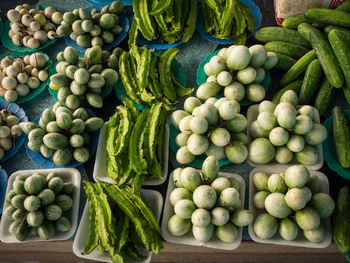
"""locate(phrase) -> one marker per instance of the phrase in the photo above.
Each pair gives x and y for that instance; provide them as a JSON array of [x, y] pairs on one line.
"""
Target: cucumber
[[298, 68], [268, 34], [295, 86], [340, 44], [327, 16], [311, 82], [304, 29], [325, 97], [346, 91], [327, 58], [318, 25], [341, 222], [286, 48], [341, 134], [284, 62], [345, 7], [329, 28], [293, 21]]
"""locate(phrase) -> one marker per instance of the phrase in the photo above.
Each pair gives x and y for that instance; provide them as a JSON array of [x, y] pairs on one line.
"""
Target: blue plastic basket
[[47, 163], [19, 112], [123, 22], [202, 77], [255, 11], [108, 2], [3, 187]]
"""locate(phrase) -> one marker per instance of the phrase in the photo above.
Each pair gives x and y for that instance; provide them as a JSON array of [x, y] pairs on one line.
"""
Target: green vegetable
[[341, 135], [286, 48], [341, 224], [327, 16], [293, 21], [304, 30], [298, 68], [325, 97], [268, 34], [311, 82], [327, 58], [164, 73], [329, 28], [284, 62]]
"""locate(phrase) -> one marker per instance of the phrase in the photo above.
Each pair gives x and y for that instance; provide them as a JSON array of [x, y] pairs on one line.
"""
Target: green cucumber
[[295, 86], [341, 134], [345, 7], [268, 34], [286, 48], [340, 44], [325, 97], [329, 28], [298, 68], [293, 21], [346, 91], [341, 222], [284, 62], [327, 16], [327, 58], [304, 29], [311, 82]]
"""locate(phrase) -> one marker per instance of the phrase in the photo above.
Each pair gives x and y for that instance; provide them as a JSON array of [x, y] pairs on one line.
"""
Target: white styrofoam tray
[[100, 170], [68, 175], [252, 115], [154, 200], [188, 239], [300, 241]]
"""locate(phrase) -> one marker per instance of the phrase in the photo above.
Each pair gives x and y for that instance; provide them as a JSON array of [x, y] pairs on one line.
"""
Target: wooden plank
[[61, 251]]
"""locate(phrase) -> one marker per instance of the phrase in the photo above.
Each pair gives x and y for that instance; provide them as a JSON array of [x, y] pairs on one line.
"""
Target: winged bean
[[164, 73]]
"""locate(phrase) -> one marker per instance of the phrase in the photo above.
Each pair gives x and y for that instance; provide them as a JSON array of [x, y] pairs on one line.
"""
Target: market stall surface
[[190, 56]]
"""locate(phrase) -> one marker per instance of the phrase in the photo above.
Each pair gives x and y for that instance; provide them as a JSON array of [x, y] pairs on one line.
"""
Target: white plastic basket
[[188, 239], [252, 115], [68, 175], [300, 241], [155, 201], [100, 170]]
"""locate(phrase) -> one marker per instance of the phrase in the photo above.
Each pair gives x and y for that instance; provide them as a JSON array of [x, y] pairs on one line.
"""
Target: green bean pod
[[137, 182], [123, 230], [160, 138], [136, 153], [133, 33], [131, 107], [181, 91], [160, 7], [164, 68], [144, 21], [227, 17], [249, 18], [124, 131], [131, 252], [191, 22]]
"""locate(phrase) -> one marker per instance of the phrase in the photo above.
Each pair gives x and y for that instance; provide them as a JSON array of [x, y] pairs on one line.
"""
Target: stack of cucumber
[[318, 50], [120, 223], [148, 78], [135, 142], [341, 133], [228, 19], [165, 20]]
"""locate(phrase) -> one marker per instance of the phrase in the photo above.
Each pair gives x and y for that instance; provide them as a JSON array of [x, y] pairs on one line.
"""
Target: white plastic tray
[[155, 201], [252, 115], [300, 241], [100, 170], [188, 239], [68, 175]]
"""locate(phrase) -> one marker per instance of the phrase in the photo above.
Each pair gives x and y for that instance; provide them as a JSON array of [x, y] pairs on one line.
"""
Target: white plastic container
[[155, 201], [68, 175], [300, 241], [100, 170], [252, 115], [188, 239]]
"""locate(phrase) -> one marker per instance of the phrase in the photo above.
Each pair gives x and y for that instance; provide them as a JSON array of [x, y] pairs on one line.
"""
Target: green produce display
[[120, 222], [135, 142], [33, 27], [284, 131], [228, 19], [19, 76], [148, 78], [207, 209], [94, 28], [167, 21], [84, 78], [39, 205], [240, 71], [341, 225], [10, 131], [341, 135], [289, 204], [62, 134]]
